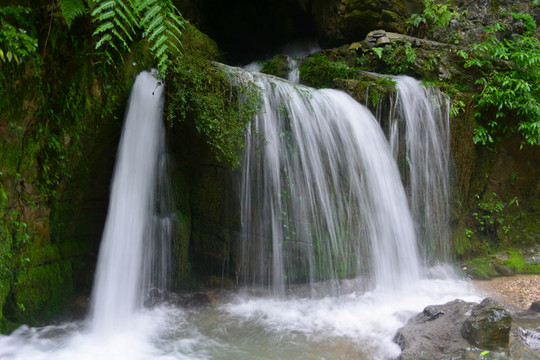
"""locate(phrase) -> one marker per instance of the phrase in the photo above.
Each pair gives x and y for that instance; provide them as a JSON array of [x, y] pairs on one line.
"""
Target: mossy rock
[[199, 44], [480, 268], [39, 292], [277, 66], [518, 264]]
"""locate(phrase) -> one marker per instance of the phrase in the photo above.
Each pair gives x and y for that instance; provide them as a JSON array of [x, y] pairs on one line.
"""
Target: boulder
[[489, 325], [443, 332], [535, 306], [435, 333]]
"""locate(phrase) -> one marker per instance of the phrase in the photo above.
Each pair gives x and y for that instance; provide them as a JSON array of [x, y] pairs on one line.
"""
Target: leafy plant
[[157, 21], [434, 14], [509, 84], [17, 44], [71, 9], [489, 215], [398, 58]]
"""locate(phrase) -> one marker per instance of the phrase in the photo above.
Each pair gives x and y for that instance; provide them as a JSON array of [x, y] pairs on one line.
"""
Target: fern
[[71, 9], [157, 21]]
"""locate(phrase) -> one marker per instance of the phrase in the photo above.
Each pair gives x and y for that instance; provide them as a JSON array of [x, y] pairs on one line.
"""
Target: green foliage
[[278, 66], [201, 93], [399, 58], [457, 107], [509, 84], [71, 9], [490, 214], [319, 72], [17, 42], [120, 21], [434, 14]]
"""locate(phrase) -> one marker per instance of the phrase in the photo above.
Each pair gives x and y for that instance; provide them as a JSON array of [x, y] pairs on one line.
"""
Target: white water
[[322, 195], [358, 325], [126, 260], [355, 326], [423, 143]]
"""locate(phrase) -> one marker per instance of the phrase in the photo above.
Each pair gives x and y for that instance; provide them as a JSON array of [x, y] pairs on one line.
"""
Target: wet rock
[[155, 297], [437, 333], [535, 306], [530, 338], [489, 325]]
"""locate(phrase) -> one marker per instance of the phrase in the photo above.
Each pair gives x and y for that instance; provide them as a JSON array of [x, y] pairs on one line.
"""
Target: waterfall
[[419, 138], [134, 248], [322, 196]]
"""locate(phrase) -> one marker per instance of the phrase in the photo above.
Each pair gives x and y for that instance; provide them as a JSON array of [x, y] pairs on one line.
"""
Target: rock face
[[448, 331]]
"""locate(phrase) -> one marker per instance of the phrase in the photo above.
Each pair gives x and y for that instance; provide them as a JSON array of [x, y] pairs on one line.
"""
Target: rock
[[435, 333], [489, 325], [530, 338], [535, 306], [503, 270], [382, 41], [341, 21], [443, 332]]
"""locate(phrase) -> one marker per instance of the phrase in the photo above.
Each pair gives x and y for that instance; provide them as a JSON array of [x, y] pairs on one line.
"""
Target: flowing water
[[322, 194], [421, 144], [134, 251], [323, 201]]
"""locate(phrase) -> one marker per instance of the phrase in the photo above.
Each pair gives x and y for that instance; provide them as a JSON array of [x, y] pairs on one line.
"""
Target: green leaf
[[71, 9]]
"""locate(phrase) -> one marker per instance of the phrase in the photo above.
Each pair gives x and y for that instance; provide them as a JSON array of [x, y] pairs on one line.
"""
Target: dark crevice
[[247, 30]]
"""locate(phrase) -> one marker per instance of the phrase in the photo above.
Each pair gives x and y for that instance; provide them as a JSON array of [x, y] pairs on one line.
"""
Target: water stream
[[323, 206]]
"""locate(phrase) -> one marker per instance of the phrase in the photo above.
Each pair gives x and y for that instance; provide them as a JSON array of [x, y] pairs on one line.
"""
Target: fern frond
[[71, 9], [159, 31], [120, 20]]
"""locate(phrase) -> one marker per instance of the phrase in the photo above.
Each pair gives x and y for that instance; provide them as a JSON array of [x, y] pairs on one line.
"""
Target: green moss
[[198, 44], [278, 66], [319, 71], [517, 263], [201, 94], [39, 292], [181, 264], [480, 268]]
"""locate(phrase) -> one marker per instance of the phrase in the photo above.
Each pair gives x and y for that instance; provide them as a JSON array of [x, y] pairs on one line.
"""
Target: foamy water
[[353, 326]]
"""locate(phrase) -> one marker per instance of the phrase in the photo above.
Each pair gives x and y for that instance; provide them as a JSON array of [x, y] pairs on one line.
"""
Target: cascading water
[[127, 257], [420, 142], [327, 187], [323, 197]]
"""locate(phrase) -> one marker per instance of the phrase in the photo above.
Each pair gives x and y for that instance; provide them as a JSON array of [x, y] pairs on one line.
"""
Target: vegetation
[[120, 21], [434, 15], [509, 85], [201, 93], [318, 71]]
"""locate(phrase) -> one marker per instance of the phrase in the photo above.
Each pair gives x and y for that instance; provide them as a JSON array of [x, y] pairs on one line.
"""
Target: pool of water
[[352, 326]]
